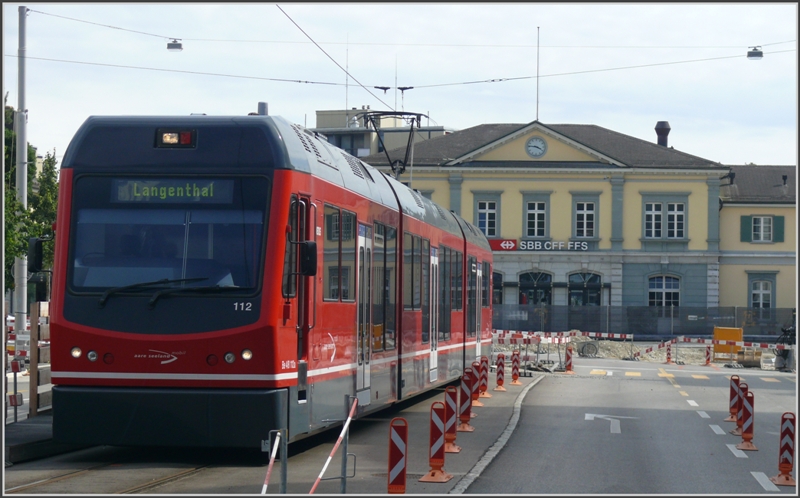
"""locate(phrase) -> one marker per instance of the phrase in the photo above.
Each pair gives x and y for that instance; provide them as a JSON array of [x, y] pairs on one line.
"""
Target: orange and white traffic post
[[484, 386], [786, 452], [515, 368], [739, 407], [436, 455], [398, 447], [465, 402], [708, 356], [568, 360], [733, 407], [669, 354], [476, 372], [748, 418], [500, 375], [450, 409]]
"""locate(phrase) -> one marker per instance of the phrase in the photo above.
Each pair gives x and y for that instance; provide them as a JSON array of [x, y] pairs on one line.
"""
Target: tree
[[44, 204]]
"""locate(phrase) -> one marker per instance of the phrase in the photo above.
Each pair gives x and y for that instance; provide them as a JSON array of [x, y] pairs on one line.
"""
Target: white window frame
[[489, 209], [676, 220], [539, 214], [585, 215], [653, 215], [762, 229]]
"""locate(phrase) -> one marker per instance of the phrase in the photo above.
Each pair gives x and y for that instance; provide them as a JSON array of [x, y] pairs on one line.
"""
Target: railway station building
[[582, 216]]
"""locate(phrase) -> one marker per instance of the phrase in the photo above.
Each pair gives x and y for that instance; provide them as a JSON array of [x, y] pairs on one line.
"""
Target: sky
[[619, 66]]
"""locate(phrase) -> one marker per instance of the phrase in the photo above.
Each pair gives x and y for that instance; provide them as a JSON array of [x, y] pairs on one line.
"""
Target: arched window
[[584, 289], [664, 290], [535, 288]]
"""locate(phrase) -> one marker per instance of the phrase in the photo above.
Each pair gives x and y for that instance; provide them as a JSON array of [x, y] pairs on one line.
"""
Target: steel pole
[[21, 263]]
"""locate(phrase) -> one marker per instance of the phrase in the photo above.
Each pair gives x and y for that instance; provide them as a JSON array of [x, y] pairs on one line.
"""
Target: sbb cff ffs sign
[[537, 245]]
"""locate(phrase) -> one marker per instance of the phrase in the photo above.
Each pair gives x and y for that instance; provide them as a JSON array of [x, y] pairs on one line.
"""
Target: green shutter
[[747, 229], [777, 226]]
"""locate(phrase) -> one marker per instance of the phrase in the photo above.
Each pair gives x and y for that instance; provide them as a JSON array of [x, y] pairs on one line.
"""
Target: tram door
[[433, 299], [364, 319]]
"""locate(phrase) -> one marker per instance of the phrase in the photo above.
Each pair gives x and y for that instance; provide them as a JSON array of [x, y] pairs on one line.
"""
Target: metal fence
[[645, 322]]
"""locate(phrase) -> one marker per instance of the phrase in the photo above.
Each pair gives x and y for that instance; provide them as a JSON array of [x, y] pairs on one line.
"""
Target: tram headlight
[[91, 355], [230, 357], [76, 352], [247, 354]]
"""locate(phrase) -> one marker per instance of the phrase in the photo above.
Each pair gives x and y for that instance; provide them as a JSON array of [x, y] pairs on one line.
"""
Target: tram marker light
[[91, 355], [108, 358], [76, 352], [172, 138], [212, 359], [247, 354], [230, 357]]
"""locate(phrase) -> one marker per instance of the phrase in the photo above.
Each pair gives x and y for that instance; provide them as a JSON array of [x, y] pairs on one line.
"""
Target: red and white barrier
[[465, 402], [743, 388], [669, 354], [271, 463], [734, 403], [748, 415], [436, 458], [501, 372], [568, 361], [484, 385], [398, 445], [476, 380], [335, 446], [515, 368], [786, 452], [708, 356], [757, 345], [450, 408], [15, 399], [504, 333]]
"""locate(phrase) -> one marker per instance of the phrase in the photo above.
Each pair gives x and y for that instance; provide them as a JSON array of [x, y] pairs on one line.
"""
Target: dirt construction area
[[685, 353]]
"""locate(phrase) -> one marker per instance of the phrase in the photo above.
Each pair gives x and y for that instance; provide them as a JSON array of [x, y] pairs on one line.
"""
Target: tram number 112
[[243, 306]]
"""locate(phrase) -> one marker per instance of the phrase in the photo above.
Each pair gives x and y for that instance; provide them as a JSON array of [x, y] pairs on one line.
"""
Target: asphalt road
[[620, 427]]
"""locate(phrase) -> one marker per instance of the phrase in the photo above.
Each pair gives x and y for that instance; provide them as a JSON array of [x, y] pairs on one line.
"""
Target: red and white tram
[[220, 277]]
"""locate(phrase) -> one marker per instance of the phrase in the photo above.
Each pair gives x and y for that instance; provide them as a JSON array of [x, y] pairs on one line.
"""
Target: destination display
[[202, 191]]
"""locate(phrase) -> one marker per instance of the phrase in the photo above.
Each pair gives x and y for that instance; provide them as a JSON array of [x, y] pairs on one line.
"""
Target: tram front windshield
[[194, 232]]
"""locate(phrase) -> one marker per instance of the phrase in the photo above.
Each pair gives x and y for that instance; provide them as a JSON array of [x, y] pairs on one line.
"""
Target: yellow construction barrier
[[724, 352]]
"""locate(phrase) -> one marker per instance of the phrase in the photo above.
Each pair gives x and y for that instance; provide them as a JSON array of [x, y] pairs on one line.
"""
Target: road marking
[[769, 379], [683, 393], [597, 372], [718, 430], [703, 414], [692, 402], [738, 453], [615, 427], [792, 379], [704, 377], [667, 375], [633, 374], [764, 481]]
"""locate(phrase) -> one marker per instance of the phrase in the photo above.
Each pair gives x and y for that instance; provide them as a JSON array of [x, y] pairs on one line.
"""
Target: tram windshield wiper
[[206, 288], [164, 281]]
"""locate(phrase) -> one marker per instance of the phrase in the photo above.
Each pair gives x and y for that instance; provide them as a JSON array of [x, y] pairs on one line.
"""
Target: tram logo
[[160, 355]]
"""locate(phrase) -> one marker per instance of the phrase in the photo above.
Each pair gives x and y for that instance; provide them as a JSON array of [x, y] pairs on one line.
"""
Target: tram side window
[[444, 293], [425, 266], [349, 243], [339, 254], [472, 295], [378, 287], [456, 280], [412, 272], [487, 277], [390, 293], [290, 254]]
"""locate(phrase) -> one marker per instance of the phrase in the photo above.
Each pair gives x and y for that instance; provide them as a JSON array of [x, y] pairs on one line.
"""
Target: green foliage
[[37, 221]]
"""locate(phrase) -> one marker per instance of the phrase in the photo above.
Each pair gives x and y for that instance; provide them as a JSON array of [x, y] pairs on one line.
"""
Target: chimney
[[662, 130], [785, 177]]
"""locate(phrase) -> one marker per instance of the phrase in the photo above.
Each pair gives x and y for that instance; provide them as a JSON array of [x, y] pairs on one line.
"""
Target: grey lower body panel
[[130, 416]]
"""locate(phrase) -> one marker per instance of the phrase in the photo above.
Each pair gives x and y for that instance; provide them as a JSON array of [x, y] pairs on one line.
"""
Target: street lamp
[[755, 53], [174, 46]]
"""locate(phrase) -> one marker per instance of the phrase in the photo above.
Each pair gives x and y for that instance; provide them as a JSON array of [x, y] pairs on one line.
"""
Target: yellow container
[[723, 352]]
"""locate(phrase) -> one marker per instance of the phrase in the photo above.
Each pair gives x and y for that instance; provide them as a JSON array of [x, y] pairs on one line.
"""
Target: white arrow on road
[[615, 429]]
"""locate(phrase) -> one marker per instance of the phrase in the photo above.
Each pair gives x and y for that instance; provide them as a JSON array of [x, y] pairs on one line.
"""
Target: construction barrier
[[734, 403], [398, 445], [436, 458], [501, 372], [451, 399], [465, 402], [722, 348], [503, 333], [739, 414], [708, 356], [669, 354], [746, 344], [658, 346], [271, 463], [476, 372], [748, 415], [568, 360], [484, 385], [335, 446], [786, 452], [515, 368]]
